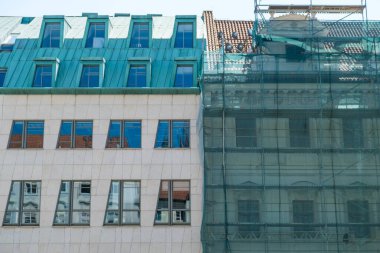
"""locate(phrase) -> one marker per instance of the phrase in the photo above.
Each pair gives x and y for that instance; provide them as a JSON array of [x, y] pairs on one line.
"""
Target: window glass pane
[[17, 132], [65, 135], [162, 137], [353, 133], [96, 35], [112, 217], [137, 76], [140, 35], [2, 77], [34, 134], [62, 215], [13, 206], [114, 135], [31, 202], [246, 132], [180, 134], [81, 203], [90, 76], [162, 214], [184, 36], [43, 76], [131, 195], [184, 76], [113, 198], [358, 214], [83, 134], [249, 217], [181, 201], [303, 212], [131, 201], [299, 133], [132, 134], [52, 35]]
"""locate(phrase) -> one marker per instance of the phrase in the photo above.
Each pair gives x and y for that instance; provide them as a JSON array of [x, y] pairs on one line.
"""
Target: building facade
[[99, 133], [291, 132]]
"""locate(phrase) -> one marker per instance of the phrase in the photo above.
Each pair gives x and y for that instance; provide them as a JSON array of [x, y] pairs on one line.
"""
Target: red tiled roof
[[227, 27]]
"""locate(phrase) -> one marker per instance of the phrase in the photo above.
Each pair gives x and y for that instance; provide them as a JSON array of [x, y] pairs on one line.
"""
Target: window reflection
[[140, 35], [75, 134], [184, 35], [124, 134], [29, 210], [173, 134], [96, 35], [124, 201], [26, 134]]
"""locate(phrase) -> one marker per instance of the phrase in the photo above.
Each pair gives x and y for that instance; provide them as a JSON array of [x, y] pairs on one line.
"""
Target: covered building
[[291, 132]]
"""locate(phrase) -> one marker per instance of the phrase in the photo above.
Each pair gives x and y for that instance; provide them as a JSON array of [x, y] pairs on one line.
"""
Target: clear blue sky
[[223, 9]]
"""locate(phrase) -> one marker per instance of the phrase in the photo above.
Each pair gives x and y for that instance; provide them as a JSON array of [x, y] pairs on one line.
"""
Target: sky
[[223, 9]]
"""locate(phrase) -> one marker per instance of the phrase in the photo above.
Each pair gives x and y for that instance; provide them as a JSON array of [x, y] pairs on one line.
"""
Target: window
[[24, 202], [3, 72], [123, 203], [26, 134], [353, 133], [43, 76], [52, 35], [184, 76], [173, 205], [124, 134], [75, 134], [303, 216], [90, 76], [173, 134], [140, 35], [74, 201], [137, 76], [246, 132], [184, 35], [299, 133], [358, 217], [249, 217], [96, 35]]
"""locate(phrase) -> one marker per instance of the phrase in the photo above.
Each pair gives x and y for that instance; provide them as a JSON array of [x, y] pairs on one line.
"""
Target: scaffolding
[[291, 136]]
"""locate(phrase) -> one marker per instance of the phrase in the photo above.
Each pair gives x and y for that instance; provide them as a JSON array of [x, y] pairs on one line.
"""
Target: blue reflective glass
[[43, 76], [114, 135], [162, 137], [132, 134], [65, 138], [137, 76], [180, 134], [34, 134], [2, 77], [83, 134], [140, 35], [96, 35], [184, 76], [52, 35], [184, 35], [90, 76], [17, 132]]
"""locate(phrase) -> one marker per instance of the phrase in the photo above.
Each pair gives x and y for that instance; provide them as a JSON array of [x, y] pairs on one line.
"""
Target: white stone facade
[[100, 165]]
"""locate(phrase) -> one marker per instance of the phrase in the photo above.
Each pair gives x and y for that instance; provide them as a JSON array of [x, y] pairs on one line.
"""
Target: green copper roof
[[161, 54]]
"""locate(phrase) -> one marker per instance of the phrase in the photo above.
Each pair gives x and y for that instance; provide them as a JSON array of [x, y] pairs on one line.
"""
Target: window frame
[[122, 128], [121, 204], [309, 228], [91, 61], [71, 210], [107, 28], [64, 27], [170, 131], [183, 62], [5, 71], [185, 19], [170, 203], [238, 137], [45, 61], [295, 142], [139, 61], [353, 132], [24, 134], [140, 19], [73, 134], [354, 230], [20, 210]]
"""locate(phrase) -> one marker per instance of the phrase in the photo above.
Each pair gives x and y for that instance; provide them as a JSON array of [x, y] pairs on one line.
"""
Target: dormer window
[[140, 35], [52, 35], [96, 35], [184, 35]]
